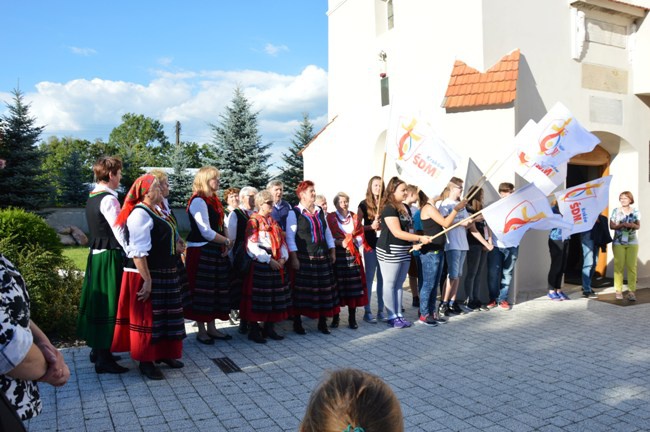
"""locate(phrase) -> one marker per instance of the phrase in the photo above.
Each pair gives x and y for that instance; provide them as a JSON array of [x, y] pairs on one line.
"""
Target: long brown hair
[[476, 203], [371, 204], [349, 399], [389, 196]]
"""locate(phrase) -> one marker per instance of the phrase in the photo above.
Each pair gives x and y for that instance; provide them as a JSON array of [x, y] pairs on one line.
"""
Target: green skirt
[[99, 297]]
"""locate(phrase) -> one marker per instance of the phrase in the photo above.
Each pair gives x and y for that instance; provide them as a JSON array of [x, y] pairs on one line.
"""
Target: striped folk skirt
[[209, 277], [266, 294], [315, 293], [350, 280], [99, 297], [153, 329]]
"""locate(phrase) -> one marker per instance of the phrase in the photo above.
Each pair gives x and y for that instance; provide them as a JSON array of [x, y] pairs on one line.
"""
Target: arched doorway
[[581, 169]]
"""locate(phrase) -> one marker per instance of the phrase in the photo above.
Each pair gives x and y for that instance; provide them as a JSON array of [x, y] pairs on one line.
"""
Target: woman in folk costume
[[266, 295], [166, 211], [208, 266], [101, 286], [350, 277], [150, 320], [311, 254]]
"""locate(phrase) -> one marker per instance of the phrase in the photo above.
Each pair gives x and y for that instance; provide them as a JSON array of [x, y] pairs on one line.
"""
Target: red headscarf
[[135, 196]]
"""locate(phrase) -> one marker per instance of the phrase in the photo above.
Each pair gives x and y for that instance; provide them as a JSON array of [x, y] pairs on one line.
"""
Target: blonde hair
[[262, 196], [160, 175], [200, 184], [351, 397]]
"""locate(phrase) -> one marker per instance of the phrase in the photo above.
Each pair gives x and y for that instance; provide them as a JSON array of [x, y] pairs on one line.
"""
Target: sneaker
[[505, 305], [631, 297], [564, 296], [439, 319], [427, 320], [443, 309], [483, 308], [397, 323], [456, 310], [593, 295], [381, 317], [474, 305], [367, 317], [407, 323], [554, 296], [619, 295], [464, 308], [492, 304]]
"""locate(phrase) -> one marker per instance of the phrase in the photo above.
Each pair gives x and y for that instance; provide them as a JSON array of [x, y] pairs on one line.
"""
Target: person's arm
[[292, 226], [109, 207], [231, 226], [392, 222], [199, 211], [58, 372], [32, 367], [478, 236]]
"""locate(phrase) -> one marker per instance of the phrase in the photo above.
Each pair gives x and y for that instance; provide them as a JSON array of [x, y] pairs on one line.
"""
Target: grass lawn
[[78, 255]]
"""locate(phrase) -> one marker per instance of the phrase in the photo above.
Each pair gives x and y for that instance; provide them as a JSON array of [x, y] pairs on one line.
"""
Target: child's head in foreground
[[350, 400]]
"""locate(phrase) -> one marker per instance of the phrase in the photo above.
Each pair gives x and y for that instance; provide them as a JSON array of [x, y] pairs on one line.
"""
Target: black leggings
[[559, 251]]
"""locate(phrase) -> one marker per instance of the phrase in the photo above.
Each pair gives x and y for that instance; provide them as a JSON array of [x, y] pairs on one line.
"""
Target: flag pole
[[481, 181], [445, 230]]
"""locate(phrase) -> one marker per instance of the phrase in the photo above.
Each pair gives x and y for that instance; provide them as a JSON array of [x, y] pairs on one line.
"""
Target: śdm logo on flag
[[522, 214], [580, 205]]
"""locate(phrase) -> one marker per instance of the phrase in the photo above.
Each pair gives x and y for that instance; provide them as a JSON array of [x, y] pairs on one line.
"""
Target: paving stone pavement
[[578, 365]]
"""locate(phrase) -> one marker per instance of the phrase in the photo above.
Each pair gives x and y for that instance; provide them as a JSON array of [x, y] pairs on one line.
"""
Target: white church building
[[479, 70]]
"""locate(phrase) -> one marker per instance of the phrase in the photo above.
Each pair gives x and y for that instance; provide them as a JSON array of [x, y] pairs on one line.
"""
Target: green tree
[[21, 182], [180, 181], [240, 154], [293, 169], [67, 162], [140, 141]]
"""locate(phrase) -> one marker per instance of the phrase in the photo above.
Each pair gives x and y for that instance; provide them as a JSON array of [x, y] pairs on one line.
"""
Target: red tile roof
[[470, 88]]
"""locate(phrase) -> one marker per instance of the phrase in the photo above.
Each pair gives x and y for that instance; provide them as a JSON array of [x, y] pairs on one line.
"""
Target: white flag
[[420, 156], [580, 205], [527, 208]]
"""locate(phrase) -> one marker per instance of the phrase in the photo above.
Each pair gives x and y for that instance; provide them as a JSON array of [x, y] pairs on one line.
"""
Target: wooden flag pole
[[444, 231]]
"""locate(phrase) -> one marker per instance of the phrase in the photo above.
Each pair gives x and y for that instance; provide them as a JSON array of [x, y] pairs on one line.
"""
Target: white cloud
[[165, 61], [91, 108], [82, 51], [274, 50]]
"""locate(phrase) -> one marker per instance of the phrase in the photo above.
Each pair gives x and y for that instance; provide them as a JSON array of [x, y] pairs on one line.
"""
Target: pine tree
[[21, 182], [180, 181], [292, 169], [240, 155], [73, 181]]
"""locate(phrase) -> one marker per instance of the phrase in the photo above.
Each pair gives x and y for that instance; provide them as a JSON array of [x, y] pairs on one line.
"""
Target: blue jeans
[[501, 265], [455, 261], [394, 275], [431, 269], [589, 261], [476, 258], [370, 258]]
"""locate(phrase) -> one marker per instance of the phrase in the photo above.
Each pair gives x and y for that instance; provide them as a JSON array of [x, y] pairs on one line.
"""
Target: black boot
[[269, 331], [255, 333], [352, 319], [335, 321], [93, 356], [322, 325], [297, 326], [151, 371], [243, 326], [106, 364]]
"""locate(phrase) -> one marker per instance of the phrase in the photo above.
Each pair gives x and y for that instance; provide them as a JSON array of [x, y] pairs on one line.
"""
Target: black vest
[[101, 235], [242, 219], [304, 241], [195, 235], [162, 254]]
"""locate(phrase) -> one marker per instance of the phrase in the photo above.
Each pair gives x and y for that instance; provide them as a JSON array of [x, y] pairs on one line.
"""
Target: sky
[[82, 64]]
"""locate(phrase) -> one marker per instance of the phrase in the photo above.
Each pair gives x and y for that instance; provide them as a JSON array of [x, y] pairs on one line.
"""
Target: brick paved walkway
[[578, 365]]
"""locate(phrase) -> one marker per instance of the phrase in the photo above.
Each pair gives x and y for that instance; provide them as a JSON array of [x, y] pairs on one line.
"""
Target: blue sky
[[82, 65]]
